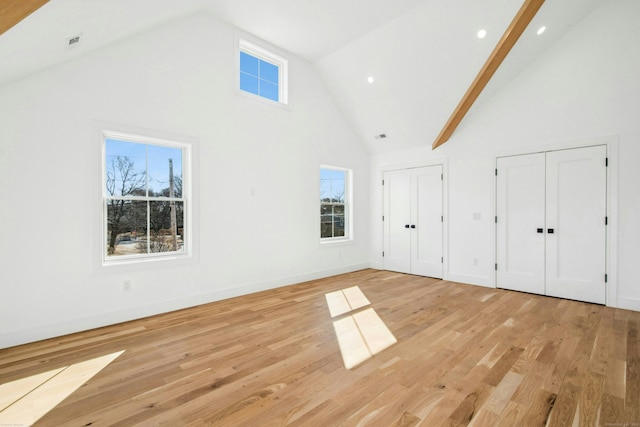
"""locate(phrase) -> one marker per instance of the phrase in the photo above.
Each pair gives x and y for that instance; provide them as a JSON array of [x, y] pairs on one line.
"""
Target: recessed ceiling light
[[482, 34], [370, 79], [541, 30]]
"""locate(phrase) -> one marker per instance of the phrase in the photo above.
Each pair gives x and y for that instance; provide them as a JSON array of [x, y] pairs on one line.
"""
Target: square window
[[263, 73]]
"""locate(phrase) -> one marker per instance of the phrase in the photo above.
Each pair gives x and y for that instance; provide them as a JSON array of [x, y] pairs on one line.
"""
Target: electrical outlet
[[126, 286]]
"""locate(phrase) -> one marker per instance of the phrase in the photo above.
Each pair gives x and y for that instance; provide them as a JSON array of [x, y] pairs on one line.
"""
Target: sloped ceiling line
[[500, 52]]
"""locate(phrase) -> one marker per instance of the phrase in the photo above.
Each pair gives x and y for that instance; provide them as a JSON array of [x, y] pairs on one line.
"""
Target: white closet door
[[521, 220], [426, 217], [576, 231], [397, 221]]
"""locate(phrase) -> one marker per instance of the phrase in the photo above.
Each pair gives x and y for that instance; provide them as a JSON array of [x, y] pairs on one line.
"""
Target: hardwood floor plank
[[465, 355], [540, 408]]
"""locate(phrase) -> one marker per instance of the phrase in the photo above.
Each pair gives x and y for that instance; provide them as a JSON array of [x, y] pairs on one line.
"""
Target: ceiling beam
[[14, 11], [500, 52]]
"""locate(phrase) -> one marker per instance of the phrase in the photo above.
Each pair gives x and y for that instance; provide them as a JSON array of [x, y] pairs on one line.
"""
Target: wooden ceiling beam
[[500, 52], [14, 11]]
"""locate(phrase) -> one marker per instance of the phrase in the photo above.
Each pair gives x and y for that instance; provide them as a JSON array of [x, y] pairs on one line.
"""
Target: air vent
[[73, 41], [381, 136]]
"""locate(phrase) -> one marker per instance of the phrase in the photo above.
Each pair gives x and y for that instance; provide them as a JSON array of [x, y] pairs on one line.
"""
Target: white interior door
[[520, 251], [426, 217], [397, 221], [576, 231]]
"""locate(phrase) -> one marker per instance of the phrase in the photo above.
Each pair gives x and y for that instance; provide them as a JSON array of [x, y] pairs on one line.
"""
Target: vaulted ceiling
[[421, 54]]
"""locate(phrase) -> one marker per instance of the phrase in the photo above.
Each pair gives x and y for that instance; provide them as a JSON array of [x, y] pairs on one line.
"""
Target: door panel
[[397, 214], [426, 215], [576, 210], [521, 215]]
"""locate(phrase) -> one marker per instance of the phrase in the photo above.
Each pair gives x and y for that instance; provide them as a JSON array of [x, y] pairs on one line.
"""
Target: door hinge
[[383, 217], [441, 218], [496, 171], [606, 161], [606, 278], [496, 266], [606, 220], [496, 219], [382, 254], [383, 182], [441, 177], [441, 260]]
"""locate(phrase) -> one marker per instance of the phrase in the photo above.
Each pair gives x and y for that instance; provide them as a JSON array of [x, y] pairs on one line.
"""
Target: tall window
[[263, 73], [335, 212], [144, 198]]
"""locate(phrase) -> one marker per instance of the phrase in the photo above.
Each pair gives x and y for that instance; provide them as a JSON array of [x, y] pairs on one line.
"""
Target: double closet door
[[413, 221], [551, 223]]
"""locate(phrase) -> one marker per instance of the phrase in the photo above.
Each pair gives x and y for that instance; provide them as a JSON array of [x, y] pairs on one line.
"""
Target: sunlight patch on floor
[[361, 334], [25, 401], [345, 300]]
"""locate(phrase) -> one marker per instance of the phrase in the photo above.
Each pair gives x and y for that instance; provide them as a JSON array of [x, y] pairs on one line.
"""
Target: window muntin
[[263, 73], [334, 204], [144, 203]]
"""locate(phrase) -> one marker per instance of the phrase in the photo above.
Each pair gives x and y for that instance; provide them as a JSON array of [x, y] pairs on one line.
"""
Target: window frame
[[348, 205], [185, 199], [269, 56]]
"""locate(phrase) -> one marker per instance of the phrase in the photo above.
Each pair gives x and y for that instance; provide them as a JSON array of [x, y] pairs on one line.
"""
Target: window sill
[[248, 95], [336, 242]]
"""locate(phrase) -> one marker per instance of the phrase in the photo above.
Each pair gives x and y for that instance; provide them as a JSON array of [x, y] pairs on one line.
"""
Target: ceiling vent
[[381, 136], [73, 41]]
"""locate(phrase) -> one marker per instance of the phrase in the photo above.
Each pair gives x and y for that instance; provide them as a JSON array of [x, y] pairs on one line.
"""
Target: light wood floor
[[465, 355]]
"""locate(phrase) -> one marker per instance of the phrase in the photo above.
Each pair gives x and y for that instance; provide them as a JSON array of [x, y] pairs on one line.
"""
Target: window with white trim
[[263, 73], [335, 203], [145, 198]]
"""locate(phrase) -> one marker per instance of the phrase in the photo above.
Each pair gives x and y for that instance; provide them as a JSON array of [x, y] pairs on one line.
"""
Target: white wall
[[585, 88], [257, 172]]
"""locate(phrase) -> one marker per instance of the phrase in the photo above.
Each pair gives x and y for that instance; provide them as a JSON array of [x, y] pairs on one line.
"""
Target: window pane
[[125, 168], [166, 220], [249, 83], [332, 185], [126, 223], [326, 222], [337, 190], [160, 160], [268, 90], [338, 221], [249, 64], [269, 72]]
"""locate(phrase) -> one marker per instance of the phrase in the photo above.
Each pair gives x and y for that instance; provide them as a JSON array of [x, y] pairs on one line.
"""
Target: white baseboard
[[376, 265], [629, 303], [471, 280], [104, 319]]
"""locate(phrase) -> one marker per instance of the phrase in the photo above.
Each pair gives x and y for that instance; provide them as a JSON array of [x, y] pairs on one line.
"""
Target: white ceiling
[[423, 54]]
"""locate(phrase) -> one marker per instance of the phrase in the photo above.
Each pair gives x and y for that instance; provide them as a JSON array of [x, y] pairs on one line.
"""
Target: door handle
[[550, 230], [540, 230], [406, 226], [413, 226]]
